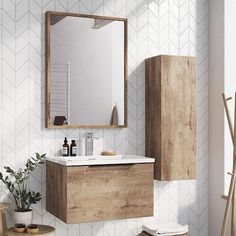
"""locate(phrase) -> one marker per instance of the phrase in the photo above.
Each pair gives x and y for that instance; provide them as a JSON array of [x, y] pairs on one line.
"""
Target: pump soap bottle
[[65, 148], [73, 148]]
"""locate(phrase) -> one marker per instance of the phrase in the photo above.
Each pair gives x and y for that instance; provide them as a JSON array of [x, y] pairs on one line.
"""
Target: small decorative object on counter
[[82, 146], [73, 148], [89, 144], [65, 148], [17, 184], [33, 229], [42, 230], [108, 153], [19, 228]]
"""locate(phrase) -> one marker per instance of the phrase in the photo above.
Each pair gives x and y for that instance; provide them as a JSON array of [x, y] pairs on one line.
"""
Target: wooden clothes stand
[[232, 193]]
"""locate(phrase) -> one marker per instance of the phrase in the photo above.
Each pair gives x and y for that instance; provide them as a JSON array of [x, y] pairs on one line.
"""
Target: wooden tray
[[43, 230]]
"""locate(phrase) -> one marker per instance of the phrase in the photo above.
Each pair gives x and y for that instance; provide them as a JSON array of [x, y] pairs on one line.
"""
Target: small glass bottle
[[73, 148], [82, 146], [65, 148], [89, 144]]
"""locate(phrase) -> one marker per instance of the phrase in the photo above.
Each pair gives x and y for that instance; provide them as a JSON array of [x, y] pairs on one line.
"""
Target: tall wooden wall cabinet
[[171, 109]]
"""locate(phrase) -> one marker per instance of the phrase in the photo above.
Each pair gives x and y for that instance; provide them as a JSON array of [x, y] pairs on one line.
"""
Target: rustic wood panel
[[99, 193], [171, 116], [109, 192], [153, 111], [56, 188]]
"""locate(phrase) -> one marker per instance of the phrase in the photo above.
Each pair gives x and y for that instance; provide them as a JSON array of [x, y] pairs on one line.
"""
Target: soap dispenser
[[65, 148], [73, 148]]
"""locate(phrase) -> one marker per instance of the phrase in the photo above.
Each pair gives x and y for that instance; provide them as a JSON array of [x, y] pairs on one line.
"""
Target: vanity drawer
[[96, 193]]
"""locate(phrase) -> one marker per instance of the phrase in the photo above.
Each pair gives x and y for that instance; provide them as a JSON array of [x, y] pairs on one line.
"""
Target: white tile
[[73, 5], [8, 93], [61, 228], [9, 56], [35, 9], [85, 230], [8, 72], [22, 139], [109, 139], [22, 57], [22, 91], [120, 8], [48, 219], [22, 120], [21, 9], [8, 105], [22, 24], [9, 9], [9, 39], [73, 230]]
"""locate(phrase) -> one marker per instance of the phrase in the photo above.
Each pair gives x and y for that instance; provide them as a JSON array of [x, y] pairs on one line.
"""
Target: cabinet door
[[171, 111], [178, 118], [99, 193]]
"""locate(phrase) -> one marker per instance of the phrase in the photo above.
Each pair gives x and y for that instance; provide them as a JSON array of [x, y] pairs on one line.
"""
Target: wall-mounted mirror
[[86, 71]]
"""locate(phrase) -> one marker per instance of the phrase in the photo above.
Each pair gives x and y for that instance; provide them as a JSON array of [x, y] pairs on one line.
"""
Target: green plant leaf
[[9, 170], [17, 183]]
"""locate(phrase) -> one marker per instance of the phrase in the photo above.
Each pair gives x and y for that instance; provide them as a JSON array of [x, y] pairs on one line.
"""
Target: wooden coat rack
[[232, 193]]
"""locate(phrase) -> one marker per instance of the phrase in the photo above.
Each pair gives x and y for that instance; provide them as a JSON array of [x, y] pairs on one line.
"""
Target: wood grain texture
[[171, 112], [44, 230], [56, 189], [3, 222], [4, 206], [49, 16], [50, 126], [100, 193]]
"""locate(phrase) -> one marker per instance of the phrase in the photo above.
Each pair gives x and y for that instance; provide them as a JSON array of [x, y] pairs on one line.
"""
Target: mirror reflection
[[87, 71]]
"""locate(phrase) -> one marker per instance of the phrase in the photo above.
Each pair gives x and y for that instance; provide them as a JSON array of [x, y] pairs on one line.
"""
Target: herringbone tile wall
[[177, 27]]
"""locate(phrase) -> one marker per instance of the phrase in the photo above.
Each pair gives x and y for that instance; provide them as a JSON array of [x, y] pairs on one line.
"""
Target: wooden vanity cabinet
[[171, 121], [79, 194]]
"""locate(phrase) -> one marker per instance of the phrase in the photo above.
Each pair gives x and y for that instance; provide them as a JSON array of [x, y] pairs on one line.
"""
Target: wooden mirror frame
[[47, 66]]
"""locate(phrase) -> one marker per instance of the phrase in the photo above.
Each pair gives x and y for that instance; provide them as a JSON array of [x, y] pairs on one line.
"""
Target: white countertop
[[100, 160]]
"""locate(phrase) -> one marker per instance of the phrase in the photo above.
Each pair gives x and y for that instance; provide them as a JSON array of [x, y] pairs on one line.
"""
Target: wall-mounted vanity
[[86, 71], [97, 189]]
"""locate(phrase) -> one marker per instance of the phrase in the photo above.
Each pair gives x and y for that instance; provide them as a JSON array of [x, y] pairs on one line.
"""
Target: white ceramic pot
[[23, 217]]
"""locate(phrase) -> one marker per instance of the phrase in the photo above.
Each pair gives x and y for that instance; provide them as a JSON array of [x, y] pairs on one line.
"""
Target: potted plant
[[17, 184]]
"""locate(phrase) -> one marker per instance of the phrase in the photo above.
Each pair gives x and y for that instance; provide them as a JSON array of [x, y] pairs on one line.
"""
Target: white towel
[[172, 234], [165, 229]]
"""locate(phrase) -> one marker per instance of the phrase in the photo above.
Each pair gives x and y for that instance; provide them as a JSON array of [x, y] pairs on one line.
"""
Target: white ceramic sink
[[100, 160]]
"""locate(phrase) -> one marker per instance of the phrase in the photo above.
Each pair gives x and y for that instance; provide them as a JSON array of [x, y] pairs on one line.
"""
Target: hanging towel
[[165, 229], [114, 116]]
